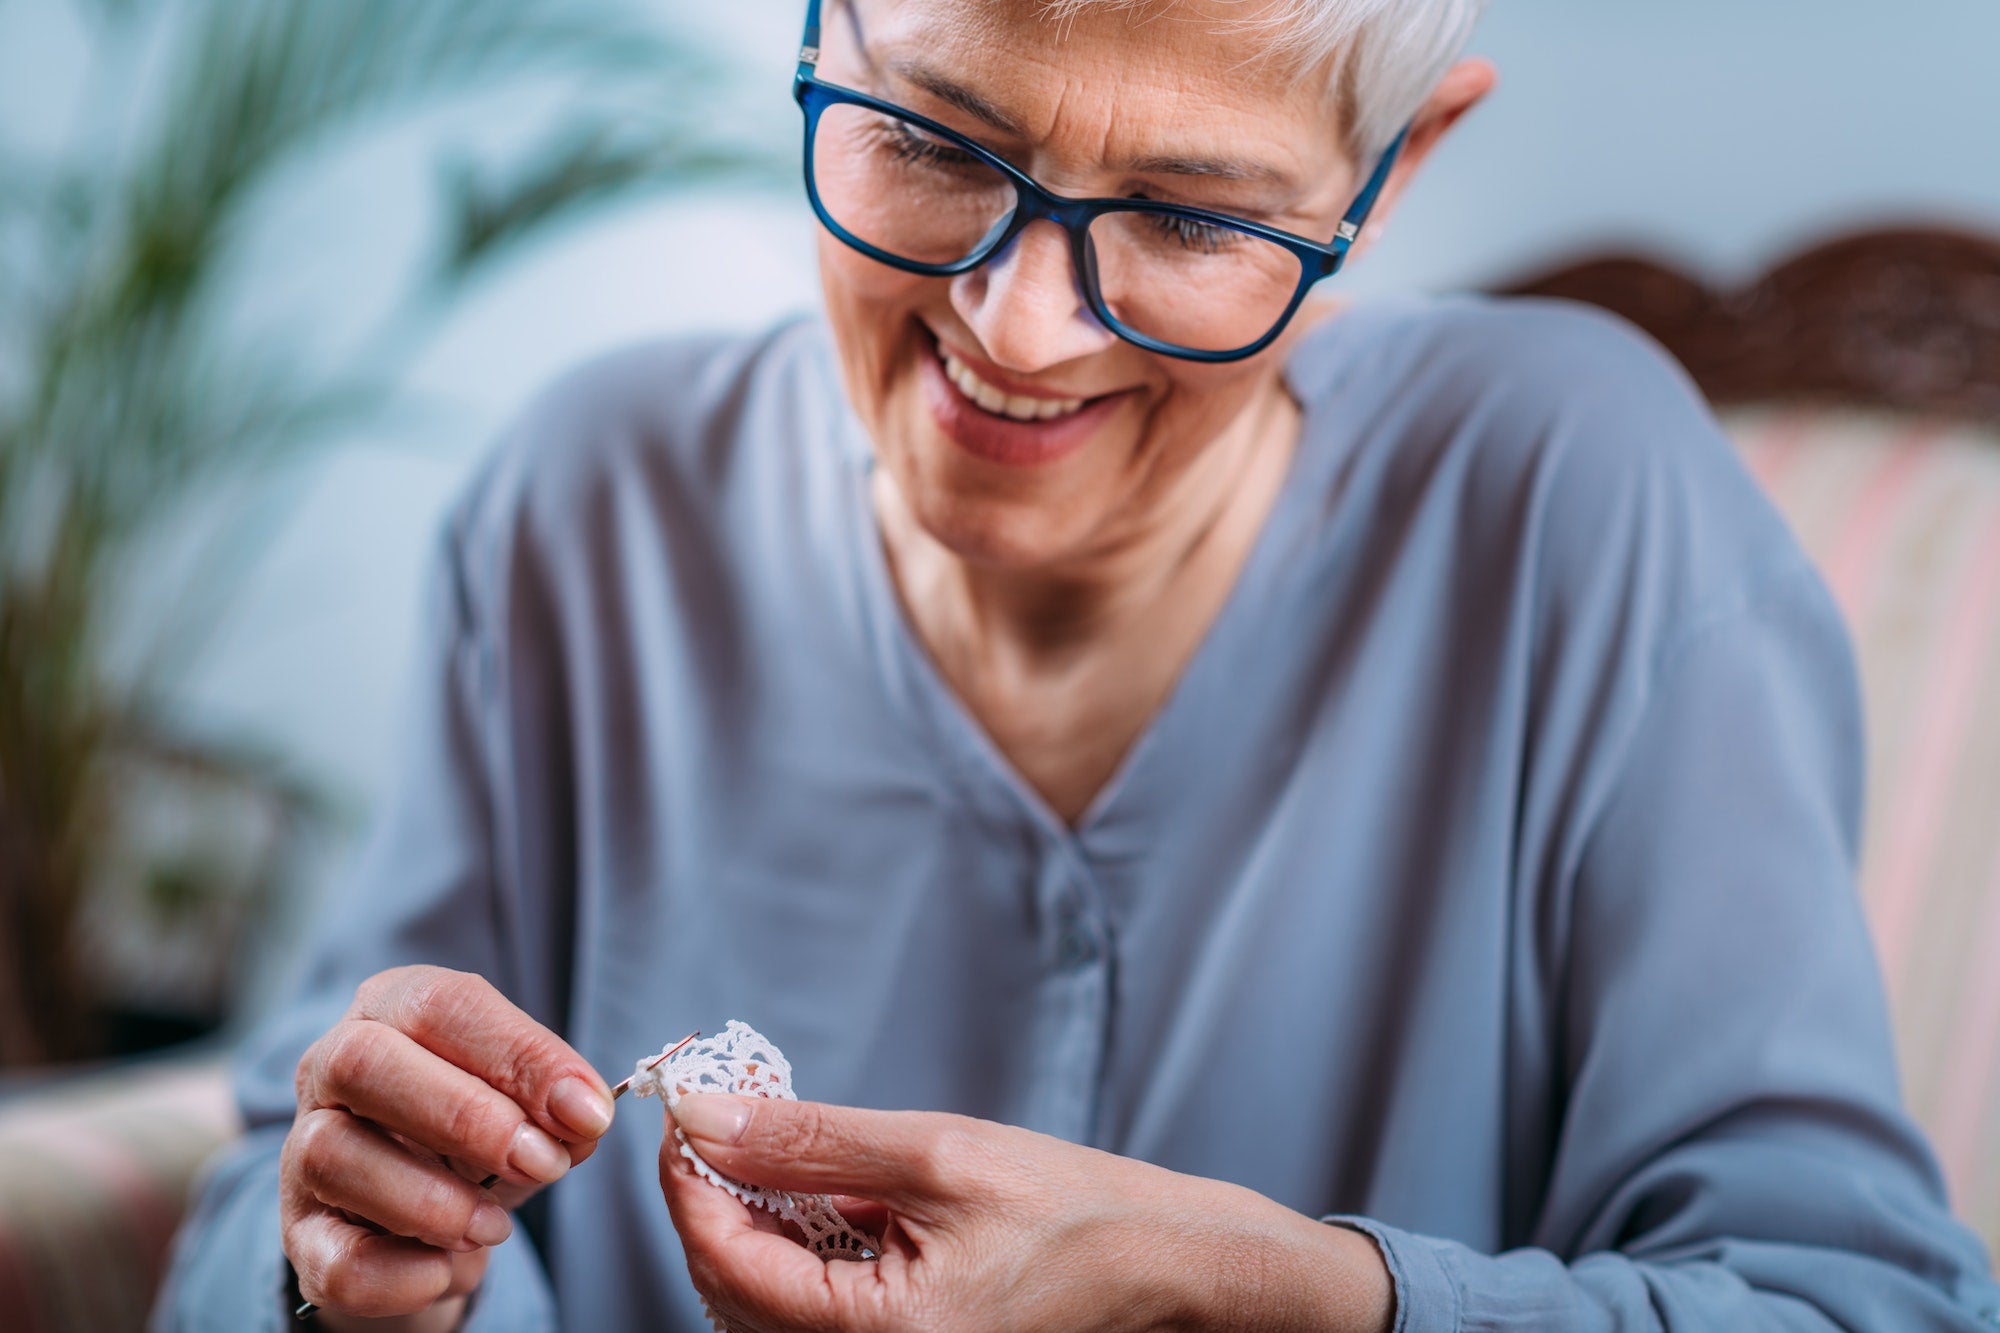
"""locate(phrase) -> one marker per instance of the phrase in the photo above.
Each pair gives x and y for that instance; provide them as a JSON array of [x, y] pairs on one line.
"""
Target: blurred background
[[273, 275]]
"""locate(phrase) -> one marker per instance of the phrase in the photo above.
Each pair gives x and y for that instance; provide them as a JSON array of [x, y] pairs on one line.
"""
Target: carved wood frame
[[1905, 318]]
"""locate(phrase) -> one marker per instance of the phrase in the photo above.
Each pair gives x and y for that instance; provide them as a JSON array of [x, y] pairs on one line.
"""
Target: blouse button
[[1077, 949]]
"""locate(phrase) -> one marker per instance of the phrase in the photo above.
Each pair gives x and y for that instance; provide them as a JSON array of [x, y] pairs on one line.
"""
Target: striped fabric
[[94, 1176], [1903, 518]]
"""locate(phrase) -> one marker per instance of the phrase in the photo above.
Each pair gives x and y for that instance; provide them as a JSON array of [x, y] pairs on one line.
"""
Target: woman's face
[[1169, 103]]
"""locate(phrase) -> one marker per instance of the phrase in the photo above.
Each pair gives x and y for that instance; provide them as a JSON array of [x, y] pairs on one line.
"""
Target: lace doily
[[743, 1061]]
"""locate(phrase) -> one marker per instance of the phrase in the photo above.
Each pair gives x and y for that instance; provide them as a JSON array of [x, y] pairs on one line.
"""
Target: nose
[[1026, 304]]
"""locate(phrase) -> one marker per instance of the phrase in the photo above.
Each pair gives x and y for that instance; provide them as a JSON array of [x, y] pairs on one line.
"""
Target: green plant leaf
[[128, 391], [492, 212]]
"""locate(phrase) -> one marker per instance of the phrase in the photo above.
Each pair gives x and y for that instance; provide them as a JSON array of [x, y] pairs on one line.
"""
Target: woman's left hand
[[986, 1226]]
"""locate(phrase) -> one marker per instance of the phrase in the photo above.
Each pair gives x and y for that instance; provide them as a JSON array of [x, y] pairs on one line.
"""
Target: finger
[[867, 1214], [353, 1270], [467, 1271], [908, 1160], [747, 1272], [379, 1073], [350, 1165], [510, 1194], [462, 1019]]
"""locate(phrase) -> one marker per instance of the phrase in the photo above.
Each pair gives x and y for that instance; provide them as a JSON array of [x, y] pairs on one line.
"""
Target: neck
[[1174, 563]]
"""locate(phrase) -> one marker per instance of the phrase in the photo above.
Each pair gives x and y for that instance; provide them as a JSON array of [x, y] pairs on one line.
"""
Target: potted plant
[[131, 398]]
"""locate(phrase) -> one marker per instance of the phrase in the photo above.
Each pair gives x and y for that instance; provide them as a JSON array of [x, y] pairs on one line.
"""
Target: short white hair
[[1385, 55]]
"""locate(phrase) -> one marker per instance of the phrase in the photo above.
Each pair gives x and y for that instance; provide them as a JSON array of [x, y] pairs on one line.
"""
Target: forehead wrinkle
[[1072, 105], [945, 90], [1103, 130]]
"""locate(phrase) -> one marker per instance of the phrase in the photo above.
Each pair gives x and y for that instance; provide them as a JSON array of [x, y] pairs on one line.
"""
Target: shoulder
[[1522, 382], [1534, 335], [1572, 450], [658, 433], [676, 405], [1572, 515]]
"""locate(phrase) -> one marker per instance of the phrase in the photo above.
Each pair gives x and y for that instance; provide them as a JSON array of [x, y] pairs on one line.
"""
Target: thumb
[[899, 1158]]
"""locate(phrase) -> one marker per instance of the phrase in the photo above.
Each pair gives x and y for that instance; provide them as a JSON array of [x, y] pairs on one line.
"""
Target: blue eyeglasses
[[1187, 282]]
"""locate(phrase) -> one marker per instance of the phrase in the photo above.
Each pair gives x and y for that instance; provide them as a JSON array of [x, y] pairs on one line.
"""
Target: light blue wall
[[1723, 130], [1727, 131]]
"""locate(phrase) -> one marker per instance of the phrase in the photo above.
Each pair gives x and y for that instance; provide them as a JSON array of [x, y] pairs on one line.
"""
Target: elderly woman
[[1299, 816]]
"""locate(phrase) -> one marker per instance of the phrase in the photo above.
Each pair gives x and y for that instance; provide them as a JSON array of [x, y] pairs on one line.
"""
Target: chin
[[994, 531], [998, 514]]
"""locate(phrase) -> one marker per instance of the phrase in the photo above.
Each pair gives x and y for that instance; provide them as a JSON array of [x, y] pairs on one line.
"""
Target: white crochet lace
[[743, 1061]]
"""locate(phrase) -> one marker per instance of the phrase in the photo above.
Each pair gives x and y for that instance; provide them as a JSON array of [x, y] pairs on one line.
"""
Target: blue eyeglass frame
[[1074, 216]]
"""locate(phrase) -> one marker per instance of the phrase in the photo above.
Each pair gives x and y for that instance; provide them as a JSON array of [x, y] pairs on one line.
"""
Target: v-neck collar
[[1118, 818]]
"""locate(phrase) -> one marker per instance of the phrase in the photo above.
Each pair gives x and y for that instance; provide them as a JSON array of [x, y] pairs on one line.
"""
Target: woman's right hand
[[432, 1082]]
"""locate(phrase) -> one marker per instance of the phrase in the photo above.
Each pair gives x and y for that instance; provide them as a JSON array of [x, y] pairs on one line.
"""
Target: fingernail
[[714, 1117], [581, 1107], [538, 1156], [489, 1226]]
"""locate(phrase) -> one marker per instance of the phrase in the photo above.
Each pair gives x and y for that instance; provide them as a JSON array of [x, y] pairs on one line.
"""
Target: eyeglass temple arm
[[1364, 203], [809, 44]]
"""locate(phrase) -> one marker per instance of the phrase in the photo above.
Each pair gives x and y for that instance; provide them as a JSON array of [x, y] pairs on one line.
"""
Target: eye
[[910, 144], [1192, 234]]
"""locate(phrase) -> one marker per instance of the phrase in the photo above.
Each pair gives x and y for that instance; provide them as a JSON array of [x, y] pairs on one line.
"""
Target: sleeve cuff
[[1427, 1296], [228, 1268]]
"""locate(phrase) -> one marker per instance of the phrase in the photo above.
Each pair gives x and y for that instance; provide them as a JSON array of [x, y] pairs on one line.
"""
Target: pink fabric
[[1964, 1130], [1772, 454], [1854, 565], [1923, 796], [94, 1177], [1912, 554]]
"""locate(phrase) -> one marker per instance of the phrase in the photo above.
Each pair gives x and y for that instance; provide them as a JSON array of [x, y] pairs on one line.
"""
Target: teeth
[[1002, 404]]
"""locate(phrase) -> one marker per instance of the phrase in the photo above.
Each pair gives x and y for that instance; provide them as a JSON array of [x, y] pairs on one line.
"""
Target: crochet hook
[[621, 1089]]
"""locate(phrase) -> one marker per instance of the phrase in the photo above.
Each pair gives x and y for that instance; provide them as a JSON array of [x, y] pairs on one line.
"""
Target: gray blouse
[[1498, 843]]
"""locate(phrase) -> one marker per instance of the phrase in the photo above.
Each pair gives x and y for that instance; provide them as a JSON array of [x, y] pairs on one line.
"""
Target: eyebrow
[[971, 103], [1215, 168]]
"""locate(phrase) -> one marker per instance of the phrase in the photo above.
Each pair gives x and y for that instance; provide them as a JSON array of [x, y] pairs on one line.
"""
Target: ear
[[1462, 88]]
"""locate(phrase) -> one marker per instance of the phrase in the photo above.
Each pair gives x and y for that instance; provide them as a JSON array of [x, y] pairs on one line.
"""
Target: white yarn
[[741, 1060]]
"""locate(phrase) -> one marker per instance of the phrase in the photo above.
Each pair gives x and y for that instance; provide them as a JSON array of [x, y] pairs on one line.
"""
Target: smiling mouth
[[1003, 424], [1001, 403]]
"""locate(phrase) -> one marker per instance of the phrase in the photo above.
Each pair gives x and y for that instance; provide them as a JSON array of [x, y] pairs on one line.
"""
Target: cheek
[[872, 310], [854, 282], [1202, 401]]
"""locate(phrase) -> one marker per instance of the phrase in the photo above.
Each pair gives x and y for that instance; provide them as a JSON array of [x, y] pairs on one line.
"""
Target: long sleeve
[[426, 889], [1483, 792], [1732, 1154]]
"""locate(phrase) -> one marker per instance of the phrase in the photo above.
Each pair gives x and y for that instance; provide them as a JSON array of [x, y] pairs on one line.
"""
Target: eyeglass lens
[[903, 190]]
